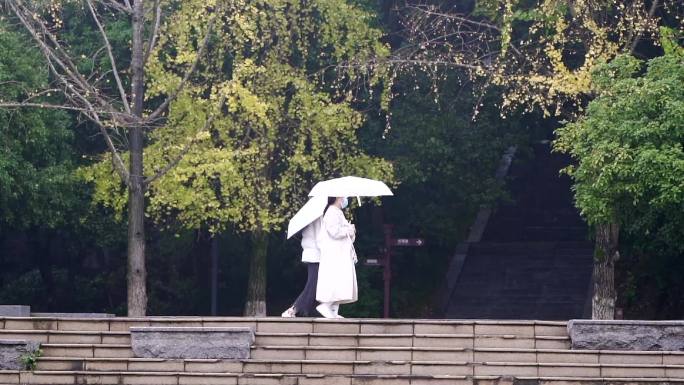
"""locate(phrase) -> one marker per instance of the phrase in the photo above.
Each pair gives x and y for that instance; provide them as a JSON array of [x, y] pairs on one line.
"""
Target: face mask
[[345, 203]]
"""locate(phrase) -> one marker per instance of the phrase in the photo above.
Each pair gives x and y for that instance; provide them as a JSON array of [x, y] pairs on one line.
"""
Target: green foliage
[[30, 360], [37, 184], [287, 121], [629, 144]]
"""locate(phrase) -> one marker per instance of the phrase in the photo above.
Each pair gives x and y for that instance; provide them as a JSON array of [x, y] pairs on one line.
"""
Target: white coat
[[310, 234], [336, 272]]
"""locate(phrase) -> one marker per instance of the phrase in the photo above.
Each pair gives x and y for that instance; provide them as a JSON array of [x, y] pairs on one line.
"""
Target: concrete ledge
[[15, 311], [192, 342], [73, 315], [627, 335], [11, 352]]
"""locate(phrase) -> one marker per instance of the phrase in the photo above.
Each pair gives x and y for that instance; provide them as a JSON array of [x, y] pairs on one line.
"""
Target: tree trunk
[[256, 286], [137, 272], [605, 255], [214, 274]]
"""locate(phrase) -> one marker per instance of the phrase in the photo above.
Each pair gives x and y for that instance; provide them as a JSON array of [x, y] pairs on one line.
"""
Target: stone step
[[297, 325], [180, 378], [314, 339], [472, 358], [67, 337], [87, 350], [410, 340]]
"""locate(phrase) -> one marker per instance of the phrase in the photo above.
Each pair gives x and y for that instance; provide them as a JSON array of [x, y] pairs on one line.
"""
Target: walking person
[[337, 273], [305, 304]]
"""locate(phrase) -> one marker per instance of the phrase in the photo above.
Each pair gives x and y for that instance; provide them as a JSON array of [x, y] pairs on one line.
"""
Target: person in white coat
[[305, 304], [336, 273]]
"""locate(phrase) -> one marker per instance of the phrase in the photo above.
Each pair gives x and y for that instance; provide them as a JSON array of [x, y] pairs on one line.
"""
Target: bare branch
[[200, 53], [187, 146], [115, 71], [47, 106], [155, 31]]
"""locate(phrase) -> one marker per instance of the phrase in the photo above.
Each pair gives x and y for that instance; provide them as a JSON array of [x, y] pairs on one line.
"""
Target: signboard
[[415, 242]]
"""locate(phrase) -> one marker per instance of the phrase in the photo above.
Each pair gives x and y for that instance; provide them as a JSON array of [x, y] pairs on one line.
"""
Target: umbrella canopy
[[350, 186], [312, 210]]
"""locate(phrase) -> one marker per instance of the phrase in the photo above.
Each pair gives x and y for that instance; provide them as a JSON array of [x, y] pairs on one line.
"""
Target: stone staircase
[[533, 259], [331, 352]]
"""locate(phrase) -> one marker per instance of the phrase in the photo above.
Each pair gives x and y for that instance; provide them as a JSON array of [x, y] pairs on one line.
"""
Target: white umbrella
[[312, 210], [350, 186]]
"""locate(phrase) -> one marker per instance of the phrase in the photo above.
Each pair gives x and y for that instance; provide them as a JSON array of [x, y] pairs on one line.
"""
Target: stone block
[[343, 354], [75, 338], [466, 328], [133, 378], [284, 327], [327, 380], [281, 339], [460, 380], [65, 378], [392, 367], [560, 330], [384, 354], [322, 326], [450, 369], [64, 350], [380, 380], [11, 352], [106, 365], [97, 379], [213, 366], [520, 330], [9, 377], [332, 340], [641, 371], [562, 343], [112, 351], [83, 325], [28, 335], [155, 365], [504, 341], [673, 358], [459, 355], [288, 367], [15, 311], [643, 358], [124, 326], [73, 315], [506, 370], [271, 353], [386, 328], [207, 379], [191, 342], [61, 365], [116, 338], [328, 368], [267, 379], [387, 340], [567, 357], [443, 341], [579, 370], [627, 335], [504, 356]]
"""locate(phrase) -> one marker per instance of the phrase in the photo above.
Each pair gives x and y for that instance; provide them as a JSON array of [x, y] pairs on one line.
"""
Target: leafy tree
[[283, 121], [37, 163], [107, 88], [541, 53], [630, 158]]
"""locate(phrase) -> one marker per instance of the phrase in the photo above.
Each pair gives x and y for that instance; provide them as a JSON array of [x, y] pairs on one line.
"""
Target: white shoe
[[325, 311], [289, 313]]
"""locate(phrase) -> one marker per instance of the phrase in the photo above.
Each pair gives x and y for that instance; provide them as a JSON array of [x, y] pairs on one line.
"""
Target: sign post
[[385, 261]]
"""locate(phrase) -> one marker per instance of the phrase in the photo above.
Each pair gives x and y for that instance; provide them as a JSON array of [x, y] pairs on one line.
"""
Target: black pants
[[305, 304]]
